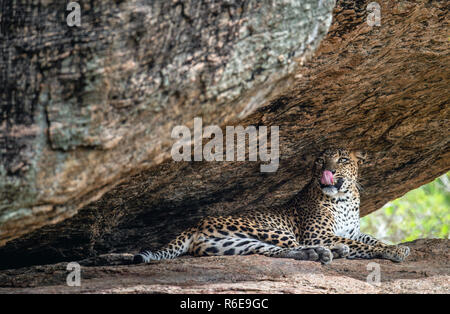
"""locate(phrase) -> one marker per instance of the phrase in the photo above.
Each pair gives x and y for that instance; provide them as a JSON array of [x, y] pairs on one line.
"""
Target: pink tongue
[[327, 178]]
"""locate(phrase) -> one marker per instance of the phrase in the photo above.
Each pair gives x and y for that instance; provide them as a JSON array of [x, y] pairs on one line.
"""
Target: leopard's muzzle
[[329, 184]]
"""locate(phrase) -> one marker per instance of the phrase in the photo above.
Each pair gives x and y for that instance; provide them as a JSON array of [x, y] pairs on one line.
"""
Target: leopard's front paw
[[325, 254], [313, 253], [340, 250], [397, 253]]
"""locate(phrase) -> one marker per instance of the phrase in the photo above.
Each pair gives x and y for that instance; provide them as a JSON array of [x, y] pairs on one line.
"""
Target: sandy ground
[[427, 270]]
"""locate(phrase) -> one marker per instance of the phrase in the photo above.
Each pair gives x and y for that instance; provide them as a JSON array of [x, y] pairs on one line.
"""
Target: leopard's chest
[[346, 219]]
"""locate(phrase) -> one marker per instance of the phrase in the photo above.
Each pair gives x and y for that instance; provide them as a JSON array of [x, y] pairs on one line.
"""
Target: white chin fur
[[330, 190]]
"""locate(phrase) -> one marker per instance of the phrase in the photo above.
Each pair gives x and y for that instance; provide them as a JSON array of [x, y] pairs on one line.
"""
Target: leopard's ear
[[361, 156]]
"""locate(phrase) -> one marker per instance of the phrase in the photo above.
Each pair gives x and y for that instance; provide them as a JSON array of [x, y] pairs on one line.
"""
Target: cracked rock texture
[[427, 270]]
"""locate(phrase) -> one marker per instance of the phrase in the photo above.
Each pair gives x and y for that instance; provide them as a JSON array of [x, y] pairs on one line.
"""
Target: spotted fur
[[320, 223]]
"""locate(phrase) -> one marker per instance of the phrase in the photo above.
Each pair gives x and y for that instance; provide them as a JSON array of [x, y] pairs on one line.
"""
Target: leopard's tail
[[179, 246]]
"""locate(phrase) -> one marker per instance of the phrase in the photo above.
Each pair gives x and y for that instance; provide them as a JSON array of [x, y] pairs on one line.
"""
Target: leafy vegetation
[[421, 213]]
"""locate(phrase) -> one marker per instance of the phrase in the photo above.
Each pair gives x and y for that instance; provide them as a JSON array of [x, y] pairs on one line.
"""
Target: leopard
[[320, 223]]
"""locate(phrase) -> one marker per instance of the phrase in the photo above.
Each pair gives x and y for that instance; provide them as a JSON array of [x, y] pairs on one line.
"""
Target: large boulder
[[83, 107], [381, 88]]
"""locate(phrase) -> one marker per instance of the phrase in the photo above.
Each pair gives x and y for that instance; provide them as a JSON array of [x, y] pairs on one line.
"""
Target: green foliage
[[421, 213]]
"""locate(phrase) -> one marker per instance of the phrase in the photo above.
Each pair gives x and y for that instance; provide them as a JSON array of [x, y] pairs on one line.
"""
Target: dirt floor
[[427, 270]]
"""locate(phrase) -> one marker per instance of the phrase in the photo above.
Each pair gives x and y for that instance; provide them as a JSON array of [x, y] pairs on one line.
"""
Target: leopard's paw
[[397, 253], [340, 250], [325, 254], [313, 253]]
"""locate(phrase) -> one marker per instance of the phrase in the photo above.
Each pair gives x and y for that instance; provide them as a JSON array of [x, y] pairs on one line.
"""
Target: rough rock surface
[[84, 106], [380, 88], [427, 270]]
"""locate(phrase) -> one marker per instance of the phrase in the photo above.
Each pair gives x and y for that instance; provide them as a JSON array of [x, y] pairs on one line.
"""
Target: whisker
[[359, 186]]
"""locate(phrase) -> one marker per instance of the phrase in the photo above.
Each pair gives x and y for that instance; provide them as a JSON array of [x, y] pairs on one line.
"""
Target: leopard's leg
[[370, 240], [179, 246], [207, 246], [359, 249]]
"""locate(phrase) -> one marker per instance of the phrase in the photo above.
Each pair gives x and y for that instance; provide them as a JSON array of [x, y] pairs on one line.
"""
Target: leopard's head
[[336, 170]]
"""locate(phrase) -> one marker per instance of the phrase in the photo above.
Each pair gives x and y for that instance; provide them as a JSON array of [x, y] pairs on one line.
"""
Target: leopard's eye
[[343, 160], [320, 161]]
